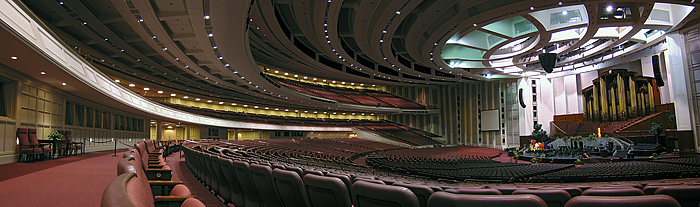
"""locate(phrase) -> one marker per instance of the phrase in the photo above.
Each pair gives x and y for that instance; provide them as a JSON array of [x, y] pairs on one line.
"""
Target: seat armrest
[[162, 187], [155, 166], [159, 174], [171, 198], [167, 201]]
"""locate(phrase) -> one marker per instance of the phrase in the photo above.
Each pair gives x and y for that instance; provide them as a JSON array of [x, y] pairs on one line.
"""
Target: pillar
[[159, 130]]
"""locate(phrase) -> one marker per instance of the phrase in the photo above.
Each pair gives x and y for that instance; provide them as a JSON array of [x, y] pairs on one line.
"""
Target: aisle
[[182, 173]]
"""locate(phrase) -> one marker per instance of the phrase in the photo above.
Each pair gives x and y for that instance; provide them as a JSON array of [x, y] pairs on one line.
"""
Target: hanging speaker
[[657, 70], [520, 95], [547, 61]]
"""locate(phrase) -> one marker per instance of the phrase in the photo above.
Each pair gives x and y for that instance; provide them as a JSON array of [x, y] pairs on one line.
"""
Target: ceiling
[[220, 50]]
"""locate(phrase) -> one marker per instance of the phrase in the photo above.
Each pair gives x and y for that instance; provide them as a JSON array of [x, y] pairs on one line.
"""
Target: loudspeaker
[[657, 70], [520, 95], [547, 61]]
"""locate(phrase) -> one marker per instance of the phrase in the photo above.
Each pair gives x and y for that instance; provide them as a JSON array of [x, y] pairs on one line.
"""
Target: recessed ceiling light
[[185, 97], [206, 16], [609, 8], [172, 94], [42, 72], [117, 80], [13, 57], [209, 101], [532, 8], [145, 89], [197, 99], [132, 85], [221, 102], [398, 12], [63, 83], [211, 34], [160, 91]]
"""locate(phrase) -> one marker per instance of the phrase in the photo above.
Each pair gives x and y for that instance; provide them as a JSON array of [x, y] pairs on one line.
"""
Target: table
[[54, 144]]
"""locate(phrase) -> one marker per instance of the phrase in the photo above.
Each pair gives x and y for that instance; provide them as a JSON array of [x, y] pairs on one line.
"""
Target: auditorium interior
[[406, 103]]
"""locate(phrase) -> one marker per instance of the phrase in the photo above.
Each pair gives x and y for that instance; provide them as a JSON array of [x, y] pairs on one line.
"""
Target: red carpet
[[71, 181], [78, 180]]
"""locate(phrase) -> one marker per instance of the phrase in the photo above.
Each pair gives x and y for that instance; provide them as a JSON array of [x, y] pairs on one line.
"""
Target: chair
[[440, 199], [627, 191], [261, 175], [553, 198], [686, 195], [128, 190], [153, 172], [25, 146], [367, 194], [243, 174], [325, 191], [290, 188], [74, 146], [158, 187], [623, 201], [345, 178], [224, 188], [35, 141], [422, 192]]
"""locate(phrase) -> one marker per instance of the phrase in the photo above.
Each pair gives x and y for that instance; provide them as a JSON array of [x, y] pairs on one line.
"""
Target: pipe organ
[[618, 95]]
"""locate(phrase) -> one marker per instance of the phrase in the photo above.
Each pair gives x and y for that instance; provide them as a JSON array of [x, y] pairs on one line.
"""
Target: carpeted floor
[[71, 181], [77, 180]]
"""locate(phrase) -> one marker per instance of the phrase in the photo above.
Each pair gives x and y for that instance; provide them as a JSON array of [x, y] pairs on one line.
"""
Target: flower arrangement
[[55, 135]]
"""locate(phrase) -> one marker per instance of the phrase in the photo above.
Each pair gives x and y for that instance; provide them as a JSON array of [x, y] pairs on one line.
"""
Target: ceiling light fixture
[[145, 89], [132, 85], [13, 57], [185, 97], [42, 72], [63, 84]]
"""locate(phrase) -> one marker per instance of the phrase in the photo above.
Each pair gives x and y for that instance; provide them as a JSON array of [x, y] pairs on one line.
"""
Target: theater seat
[[264, 184], [325, 191], [623, 201], [553, 198], [686, 195], [422, 192], [290, 188], [129, 190], [627, 191], [441, 199], [243, 174], [367, 194]]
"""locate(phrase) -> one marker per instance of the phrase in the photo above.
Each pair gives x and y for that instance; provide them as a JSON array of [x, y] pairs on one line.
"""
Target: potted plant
[[539, 134], [656, 130], [55, 135]]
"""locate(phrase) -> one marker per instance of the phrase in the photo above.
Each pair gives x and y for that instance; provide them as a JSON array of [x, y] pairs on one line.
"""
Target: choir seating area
[[349, 95], [242, 178]]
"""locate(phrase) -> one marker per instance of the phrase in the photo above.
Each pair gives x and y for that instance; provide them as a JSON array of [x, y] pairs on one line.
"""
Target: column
[[187, 132], [159, 130]]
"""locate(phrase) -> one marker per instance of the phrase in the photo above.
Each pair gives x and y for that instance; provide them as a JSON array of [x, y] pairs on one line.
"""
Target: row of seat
[[261, 182], [134, 187]]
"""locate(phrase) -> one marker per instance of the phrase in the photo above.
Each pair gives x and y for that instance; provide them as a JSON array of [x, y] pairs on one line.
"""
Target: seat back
[[553, 197], [345, 178], [224, 187], [686, 195], [475, 191], [264, 184], [623, 201], [367, 194], [324, 191], [212, 180], [440, 199], [243, 174], [126, 190], [23, 135], [290, 188], [32, 137], [422, 192], [627, 191], [68, 136]]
